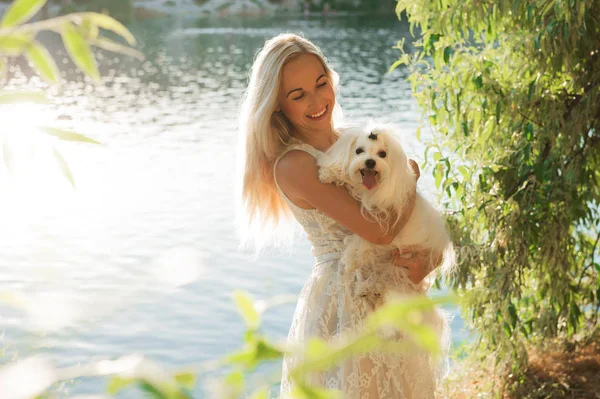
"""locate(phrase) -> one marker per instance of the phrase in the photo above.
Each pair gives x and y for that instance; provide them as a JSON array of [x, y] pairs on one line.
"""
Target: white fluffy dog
[[370, 162]]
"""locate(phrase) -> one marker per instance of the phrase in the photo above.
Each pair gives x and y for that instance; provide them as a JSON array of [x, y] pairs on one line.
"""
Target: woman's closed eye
[[321, 85]]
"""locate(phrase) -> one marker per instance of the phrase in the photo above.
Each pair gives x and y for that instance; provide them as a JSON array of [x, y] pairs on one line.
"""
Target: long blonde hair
[[262, 215]]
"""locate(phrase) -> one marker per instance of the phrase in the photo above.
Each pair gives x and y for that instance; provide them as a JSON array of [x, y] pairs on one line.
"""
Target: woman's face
[[306, 94]]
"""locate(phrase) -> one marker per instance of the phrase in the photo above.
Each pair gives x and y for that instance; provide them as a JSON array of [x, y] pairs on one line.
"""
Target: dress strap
[[296, 144]]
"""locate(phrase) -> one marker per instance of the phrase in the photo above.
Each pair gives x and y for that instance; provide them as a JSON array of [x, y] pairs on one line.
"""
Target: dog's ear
[[397, 156], [403, 181], [333, 166]]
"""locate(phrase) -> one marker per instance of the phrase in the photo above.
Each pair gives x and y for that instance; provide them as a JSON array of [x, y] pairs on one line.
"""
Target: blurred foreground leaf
[[21, 11], [79, 50], [67, 135]]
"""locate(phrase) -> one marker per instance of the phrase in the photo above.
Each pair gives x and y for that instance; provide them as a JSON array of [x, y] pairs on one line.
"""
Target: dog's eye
[[382, 154], [359, 151]]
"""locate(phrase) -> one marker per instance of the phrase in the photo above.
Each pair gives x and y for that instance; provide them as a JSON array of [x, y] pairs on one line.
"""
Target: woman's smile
[[319, 115]]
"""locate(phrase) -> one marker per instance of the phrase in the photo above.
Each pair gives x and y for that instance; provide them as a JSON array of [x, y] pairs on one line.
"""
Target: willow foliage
[[512, 90]]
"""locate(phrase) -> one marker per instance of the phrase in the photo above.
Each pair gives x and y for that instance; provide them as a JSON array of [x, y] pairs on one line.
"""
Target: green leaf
[[498, 109], [79, 51], [430, 41], [439, 174], [418, 133], [67, 135], [465, 127], [529, 131], [478, 80], [14, 43], [447, 52], [397, 309], [488, 64], [64, 167], [266, 351], [236, 380], [109, 23], [89, 30], [21, 11], [117, 384], [515, 5], [395, 65], [154, 391], [246, 357], [424, 336], [246, 308], [316, 347], [42, 60], [115, 47], [186, 379], [512, 311], [437, 156], [507, 330], [253, 353], [20, 97], [460, 192], [262, 393], [464, 171], [581, 12], [530, 89]]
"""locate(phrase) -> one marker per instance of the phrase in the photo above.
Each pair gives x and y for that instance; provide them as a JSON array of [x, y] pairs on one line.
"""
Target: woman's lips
[[321, 114]]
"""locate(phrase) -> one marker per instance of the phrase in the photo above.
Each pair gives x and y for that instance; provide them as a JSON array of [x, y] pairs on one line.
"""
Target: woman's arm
[[297, 176]]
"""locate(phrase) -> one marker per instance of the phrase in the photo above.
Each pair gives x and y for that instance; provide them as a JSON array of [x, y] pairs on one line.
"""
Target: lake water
[[100, 267]]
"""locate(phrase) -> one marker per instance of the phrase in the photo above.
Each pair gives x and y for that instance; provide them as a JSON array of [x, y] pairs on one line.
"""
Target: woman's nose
[[312, 97]]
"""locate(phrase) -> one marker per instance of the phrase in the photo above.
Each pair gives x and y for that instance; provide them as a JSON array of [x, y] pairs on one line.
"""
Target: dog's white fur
[[369, 272], [395, 184]]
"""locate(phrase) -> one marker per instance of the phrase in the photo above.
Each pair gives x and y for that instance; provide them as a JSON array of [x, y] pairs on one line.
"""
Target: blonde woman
[[290, 116]]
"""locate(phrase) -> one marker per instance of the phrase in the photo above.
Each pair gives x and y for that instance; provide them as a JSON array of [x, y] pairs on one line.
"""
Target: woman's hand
[[417, 260], [415, 167]]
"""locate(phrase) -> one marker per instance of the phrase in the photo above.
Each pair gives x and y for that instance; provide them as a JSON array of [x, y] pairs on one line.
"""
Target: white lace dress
[[326, 308]]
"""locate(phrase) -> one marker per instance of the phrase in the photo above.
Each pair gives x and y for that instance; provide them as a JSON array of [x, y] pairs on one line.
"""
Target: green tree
[[511, 89]]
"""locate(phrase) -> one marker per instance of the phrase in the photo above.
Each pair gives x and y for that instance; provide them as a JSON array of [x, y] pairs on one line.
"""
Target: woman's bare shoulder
[[296, 164]]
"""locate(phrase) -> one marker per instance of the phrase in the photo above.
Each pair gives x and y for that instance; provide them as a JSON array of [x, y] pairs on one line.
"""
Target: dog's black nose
[[370, 163]]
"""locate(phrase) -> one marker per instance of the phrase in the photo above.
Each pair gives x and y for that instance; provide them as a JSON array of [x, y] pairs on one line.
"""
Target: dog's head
[[371, 160], [376, 157]]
